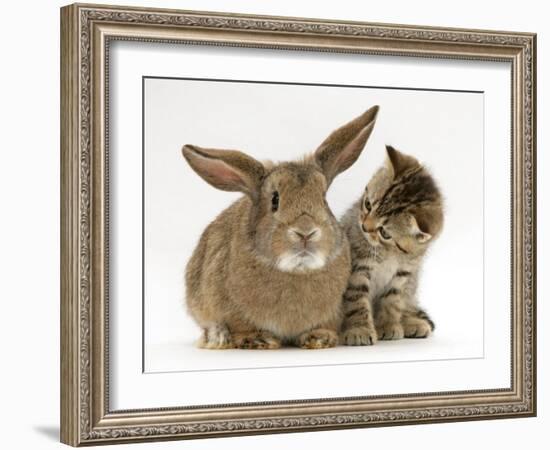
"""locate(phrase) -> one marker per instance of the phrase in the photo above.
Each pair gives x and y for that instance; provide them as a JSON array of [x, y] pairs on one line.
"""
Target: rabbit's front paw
[[363, 335], [257, 340], [319, 338], [216, 337]]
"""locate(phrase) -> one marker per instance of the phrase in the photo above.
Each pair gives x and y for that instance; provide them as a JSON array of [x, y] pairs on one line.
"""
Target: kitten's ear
[[422, 237], [344, 145], [399, 161], [417, 232], [427, 223]]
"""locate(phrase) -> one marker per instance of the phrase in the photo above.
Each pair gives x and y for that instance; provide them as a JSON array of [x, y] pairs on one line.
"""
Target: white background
[[283, 122], [30, 238]]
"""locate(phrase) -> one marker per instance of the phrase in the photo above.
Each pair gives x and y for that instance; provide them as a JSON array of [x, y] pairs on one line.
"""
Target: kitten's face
[[401, 207]]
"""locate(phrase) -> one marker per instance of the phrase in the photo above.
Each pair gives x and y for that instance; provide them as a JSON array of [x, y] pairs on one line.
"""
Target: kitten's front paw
[[316, 339], [419, 328], [257, 340], [390, 331], [359, 336]]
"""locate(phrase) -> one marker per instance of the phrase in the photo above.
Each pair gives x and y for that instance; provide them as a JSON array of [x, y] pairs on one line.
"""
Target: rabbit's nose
[[306, 236]]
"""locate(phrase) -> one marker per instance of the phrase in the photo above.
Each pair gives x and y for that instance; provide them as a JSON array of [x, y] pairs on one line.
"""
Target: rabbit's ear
[[399, 161], [344, 145], [228, 170]]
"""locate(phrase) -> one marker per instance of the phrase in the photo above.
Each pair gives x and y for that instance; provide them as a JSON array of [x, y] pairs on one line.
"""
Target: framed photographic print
[[276, 224]]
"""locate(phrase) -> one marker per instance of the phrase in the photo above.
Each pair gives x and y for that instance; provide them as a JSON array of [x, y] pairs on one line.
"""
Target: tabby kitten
[[389, 230]]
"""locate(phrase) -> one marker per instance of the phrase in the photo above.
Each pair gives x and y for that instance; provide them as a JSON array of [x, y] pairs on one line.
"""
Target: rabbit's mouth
[[303, 260]]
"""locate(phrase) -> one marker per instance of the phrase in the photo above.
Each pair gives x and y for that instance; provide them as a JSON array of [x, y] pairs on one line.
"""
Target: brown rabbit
[[273, 266]]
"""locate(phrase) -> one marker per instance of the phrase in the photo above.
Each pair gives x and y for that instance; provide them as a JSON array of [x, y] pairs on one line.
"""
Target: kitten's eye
[[275, 201], [383, 233], [368, 206]]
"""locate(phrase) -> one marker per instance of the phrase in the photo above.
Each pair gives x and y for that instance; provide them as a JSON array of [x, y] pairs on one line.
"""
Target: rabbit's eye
[[383, 233], [275, 201]]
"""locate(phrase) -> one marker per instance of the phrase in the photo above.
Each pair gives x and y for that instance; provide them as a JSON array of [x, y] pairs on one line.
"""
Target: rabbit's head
[[289, 223]]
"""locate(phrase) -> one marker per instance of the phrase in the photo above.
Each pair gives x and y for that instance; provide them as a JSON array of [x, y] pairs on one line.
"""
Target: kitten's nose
[[368, 225]]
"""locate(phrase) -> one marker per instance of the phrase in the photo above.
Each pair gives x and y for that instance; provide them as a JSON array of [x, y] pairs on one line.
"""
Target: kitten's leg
[[417, 324], [358, 326], [389, 313]]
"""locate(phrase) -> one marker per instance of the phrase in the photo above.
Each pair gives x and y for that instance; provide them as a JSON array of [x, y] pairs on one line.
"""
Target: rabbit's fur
[[272, 267]]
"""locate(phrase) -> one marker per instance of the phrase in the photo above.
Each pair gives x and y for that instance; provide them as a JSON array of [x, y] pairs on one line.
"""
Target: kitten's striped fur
[[389, 230]]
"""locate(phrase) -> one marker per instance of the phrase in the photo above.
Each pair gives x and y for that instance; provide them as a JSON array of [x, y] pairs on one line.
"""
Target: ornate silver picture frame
[[87, 33]]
